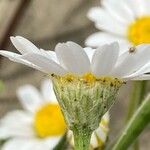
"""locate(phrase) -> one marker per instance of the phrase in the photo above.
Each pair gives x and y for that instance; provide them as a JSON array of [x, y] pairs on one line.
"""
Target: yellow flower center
[[89, 79], [139, 31], [49, 121]]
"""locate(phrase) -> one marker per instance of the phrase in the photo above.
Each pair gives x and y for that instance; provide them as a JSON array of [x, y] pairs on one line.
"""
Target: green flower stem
[[135, 126], [82, 138], [138, 93]]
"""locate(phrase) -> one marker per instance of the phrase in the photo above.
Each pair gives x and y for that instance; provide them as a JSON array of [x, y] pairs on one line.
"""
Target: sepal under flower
[[85, 99]]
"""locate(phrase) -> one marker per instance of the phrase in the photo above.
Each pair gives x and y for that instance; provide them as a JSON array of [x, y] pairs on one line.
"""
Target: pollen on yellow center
[[139, 31], [89, 77], [49, 121]]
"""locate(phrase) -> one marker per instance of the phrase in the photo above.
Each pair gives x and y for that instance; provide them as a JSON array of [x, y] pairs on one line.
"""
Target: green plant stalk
[[135, 126], [138, 93], [82, 138]]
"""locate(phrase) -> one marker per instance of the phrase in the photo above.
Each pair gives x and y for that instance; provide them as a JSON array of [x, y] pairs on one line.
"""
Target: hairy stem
[[82, 138]]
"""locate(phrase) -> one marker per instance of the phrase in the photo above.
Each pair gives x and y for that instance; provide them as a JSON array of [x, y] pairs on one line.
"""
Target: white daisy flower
[[39, 126], [71, 58], [86, 81], [124, 21]]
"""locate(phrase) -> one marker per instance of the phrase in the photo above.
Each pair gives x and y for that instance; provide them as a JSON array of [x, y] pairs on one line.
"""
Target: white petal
[[23, 45], [128, 63], [11, 117], [140, 72], [101, 135], [51, 142], [145, 7], [143, 77], [101, 38], [47, 91], [94, 14], [94, 141], [17, 58], [104, 59], [43, 62], [31, 143], [21, 144], [104, 21], [73, 57], [10, 127], [53, 56], [30, 97], [14, 144], [120, 10], [140, 8], [90, 52]]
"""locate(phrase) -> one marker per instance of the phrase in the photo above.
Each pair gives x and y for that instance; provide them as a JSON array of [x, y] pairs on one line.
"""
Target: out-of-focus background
[[46, 23]]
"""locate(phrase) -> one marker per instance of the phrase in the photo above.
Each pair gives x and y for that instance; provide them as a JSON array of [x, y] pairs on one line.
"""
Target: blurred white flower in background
[[124, 21], [39, 126]]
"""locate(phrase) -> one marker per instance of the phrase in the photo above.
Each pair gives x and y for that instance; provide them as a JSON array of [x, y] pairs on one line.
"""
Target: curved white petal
[[17, 58], [53, 56], [143, 77], [128, 63], [29, 97], [140, 72], [104, 59], [100, 38], [47, 91], [73, 57], [43, 62], [104, 21], [23, 45], [11, 127], [119, 10], [94, 14]]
